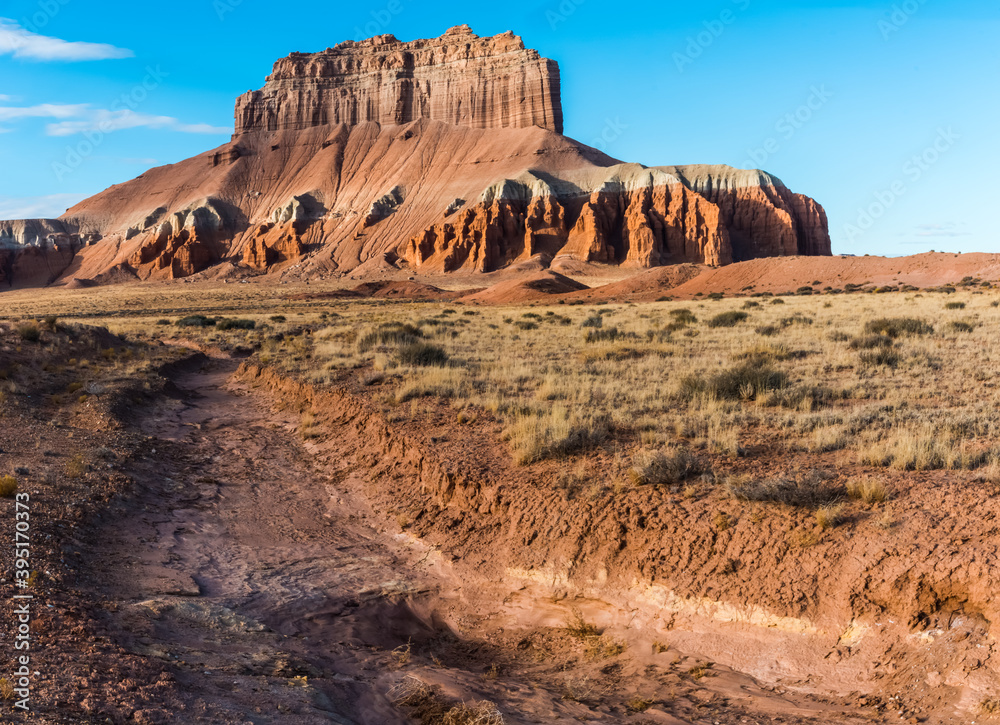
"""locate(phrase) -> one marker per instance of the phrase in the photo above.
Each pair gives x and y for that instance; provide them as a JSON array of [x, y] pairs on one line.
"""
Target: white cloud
[[44, 110], [81, 118], [103, 121], [37, 207], [23, 44]]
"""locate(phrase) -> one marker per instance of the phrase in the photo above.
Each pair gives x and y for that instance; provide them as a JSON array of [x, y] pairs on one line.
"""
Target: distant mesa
[[437, 156]]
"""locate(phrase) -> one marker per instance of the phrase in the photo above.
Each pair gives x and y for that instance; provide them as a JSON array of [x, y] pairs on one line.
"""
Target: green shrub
[[595, 320], [961, 326], [743, 381], [870, 342], [728, 319], [879, 356], [683, 316], [278, 318], [797, 319], [230, 324], [897, 326], [195, 321], [421, 354], [390, 333], [954, 305], [609, 334]]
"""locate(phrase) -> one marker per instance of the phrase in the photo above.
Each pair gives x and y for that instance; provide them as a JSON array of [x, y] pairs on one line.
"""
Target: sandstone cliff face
[[459, 79], [635, 217], [764, 218]]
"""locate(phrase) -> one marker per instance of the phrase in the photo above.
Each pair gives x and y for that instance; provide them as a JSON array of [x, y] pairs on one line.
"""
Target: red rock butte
[[435, 156]]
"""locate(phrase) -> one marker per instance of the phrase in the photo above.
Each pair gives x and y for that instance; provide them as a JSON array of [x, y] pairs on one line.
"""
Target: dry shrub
[[898, 326], [663, 467], [731, 318], [870, 342], [580, 628], [76, 466], [8, 486], [637, 705], [421, 354], [29, 332], [390, 333], [882, 356], [808, 490]]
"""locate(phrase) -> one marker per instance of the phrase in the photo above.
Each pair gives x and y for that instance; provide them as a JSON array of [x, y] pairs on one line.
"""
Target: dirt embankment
[[896, 608]]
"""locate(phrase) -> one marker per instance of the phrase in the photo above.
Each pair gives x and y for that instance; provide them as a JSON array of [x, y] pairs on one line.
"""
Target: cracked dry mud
[[250, 566]]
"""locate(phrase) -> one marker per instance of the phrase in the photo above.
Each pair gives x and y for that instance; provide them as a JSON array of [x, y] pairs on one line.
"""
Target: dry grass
[[829, 516], [855, 379], [867, 490]]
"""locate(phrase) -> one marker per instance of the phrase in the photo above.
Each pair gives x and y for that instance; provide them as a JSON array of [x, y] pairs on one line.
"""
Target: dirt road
[[249, 566]]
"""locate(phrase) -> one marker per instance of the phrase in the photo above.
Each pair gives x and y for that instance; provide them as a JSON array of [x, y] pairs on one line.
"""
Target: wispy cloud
[[949, 229], [81, 118], [43, 110], [103, 121], [23, 44], [37, 207]]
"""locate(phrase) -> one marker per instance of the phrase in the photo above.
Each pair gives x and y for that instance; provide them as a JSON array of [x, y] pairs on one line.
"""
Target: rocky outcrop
[[763, 217], [459, 79], [636, 216], [34, 252], [183, 244]]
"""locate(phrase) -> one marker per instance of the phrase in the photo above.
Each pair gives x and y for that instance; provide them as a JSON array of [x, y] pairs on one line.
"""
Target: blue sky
[[885, 112]]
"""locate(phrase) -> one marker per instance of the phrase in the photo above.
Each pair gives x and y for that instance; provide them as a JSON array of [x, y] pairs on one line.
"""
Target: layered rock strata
[[459, 79]]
